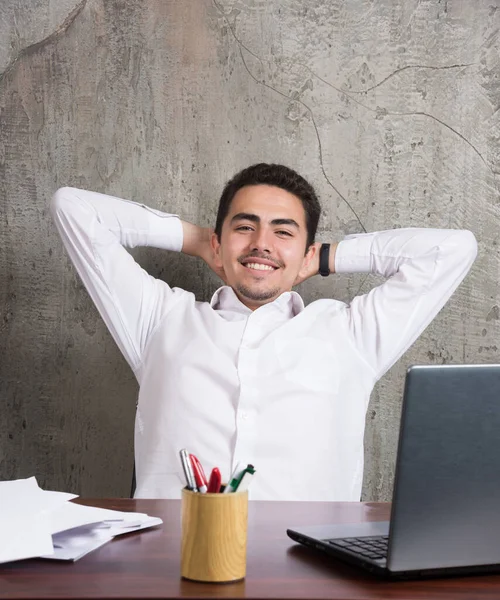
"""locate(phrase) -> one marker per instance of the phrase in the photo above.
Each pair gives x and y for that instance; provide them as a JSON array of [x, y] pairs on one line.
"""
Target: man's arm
[[423, 268], [96, 229]]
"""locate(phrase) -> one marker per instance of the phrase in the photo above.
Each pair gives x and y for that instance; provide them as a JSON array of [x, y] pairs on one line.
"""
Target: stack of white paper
[[36, 523]]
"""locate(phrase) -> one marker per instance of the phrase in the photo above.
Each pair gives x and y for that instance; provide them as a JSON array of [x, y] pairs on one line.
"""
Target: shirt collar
[[289, 303]]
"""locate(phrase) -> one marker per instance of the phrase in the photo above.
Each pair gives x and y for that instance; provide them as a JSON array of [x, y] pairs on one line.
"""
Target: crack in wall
[[461, 136], [68, 21], [380, 111], [404, 69], [291, 98]]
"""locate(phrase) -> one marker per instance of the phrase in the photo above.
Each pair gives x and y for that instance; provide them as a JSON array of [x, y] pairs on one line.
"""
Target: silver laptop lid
[[446, 504]]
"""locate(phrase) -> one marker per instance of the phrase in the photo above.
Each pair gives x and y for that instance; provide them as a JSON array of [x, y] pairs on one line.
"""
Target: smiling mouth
[[259, 267]]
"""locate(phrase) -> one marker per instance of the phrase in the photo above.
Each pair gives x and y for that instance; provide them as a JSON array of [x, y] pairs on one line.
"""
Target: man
[[253, 375]]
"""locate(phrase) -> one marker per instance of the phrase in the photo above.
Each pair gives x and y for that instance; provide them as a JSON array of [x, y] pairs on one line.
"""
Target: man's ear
[[214, 242], [308, 259]]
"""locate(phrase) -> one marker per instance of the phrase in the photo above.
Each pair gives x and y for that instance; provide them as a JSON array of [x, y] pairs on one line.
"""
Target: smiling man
[[254, 375]]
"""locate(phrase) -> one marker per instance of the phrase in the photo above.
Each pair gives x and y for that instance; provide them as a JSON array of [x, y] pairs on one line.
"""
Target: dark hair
[[279, 176]]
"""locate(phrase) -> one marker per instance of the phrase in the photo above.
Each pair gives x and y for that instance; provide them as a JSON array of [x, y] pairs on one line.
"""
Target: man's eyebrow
[[246, 217], [285, 222], [256, 219]]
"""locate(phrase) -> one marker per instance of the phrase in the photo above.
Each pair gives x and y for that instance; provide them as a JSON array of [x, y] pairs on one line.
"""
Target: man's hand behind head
[[196, 242], [209, 255]]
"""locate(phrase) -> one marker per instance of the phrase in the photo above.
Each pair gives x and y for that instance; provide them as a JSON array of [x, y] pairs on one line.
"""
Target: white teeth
[[259, 267]]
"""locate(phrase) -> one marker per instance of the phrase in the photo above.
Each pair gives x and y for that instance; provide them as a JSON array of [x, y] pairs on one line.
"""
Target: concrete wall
[[390, 108]]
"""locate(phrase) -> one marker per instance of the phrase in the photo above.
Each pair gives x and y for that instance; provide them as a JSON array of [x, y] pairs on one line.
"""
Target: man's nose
[[261, 240]]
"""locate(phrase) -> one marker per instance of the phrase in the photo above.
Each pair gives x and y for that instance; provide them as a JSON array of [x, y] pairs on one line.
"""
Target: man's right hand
[[197, 243]]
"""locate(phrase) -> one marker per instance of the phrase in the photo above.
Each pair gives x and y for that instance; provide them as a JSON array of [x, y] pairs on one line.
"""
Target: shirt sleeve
[[423, 267], [96, 229]]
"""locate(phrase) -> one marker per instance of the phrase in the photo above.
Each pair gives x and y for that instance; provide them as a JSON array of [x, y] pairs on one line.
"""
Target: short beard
[[257, 296]]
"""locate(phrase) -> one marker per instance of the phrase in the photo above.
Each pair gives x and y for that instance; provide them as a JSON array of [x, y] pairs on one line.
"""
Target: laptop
[[445, 514]]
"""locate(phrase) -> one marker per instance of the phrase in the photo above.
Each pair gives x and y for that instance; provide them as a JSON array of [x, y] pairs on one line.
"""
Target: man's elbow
[[468, 244], [62, 200], [460, 247]]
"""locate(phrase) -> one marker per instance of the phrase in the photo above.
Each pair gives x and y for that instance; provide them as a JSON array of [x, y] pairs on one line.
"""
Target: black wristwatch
[[324, 260]]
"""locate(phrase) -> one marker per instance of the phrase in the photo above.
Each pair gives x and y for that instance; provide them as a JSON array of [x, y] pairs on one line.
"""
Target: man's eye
[[244, 228], [283, 232]]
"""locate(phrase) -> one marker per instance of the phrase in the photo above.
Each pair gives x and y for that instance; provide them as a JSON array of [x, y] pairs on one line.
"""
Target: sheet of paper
[[76, 543], [71, 515], [24, 538], [23, 523], [19, 496], [120, 529]]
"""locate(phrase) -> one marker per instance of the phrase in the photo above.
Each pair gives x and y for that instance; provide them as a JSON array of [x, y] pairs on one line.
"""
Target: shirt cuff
[[353, 254]]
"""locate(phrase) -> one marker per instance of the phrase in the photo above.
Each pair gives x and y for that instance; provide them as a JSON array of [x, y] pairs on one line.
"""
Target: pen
[[188, 470], [235, 483], [245, 481], [214, 482], [237, 473], [199, 474]]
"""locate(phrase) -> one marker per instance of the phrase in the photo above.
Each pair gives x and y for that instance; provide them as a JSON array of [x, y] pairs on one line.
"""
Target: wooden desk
[[146, 564]]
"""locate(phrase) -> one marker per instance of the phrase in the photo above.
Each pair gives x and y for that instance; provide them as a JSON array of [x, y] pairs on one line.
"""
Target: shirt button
[[244, 416]]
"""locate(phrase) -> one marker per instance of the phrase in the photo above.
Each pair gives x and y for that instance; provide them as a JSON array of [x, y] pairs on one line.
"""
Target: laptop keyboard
[[374, 547]]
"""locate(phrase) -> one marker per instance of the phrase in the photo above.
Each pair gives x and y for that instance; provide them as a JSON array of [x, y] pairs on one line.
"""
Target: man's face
[[263, 244]]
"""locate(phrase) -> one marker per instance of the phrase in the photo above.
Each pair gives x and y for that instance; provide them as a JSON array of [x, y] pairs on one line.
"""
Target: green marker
[[237, 480], [234, 476]]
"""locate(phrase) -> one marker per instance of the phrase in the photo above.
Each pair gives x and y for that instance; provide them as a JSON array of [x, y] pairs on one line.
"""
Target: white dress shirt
[[285, 387]]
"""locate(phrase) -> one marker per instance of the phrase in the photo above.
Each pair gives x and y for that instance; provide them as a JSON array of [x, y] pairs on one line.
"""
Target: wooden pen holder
[[214, 536]]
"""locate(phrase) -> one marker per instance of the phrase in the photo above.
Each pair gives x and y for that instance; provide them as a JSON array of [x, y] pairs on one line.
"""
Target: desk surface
[[147, 564]]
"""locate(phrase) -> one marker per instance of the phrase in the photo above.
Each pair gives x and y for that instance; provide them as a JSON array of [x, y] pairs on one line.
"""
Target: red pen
[[199, 474], [214, 482]]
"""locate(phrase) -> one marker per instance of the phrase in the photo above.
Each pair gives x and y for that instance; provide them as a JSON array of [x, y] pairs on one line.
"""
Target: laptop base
[[380, 570]]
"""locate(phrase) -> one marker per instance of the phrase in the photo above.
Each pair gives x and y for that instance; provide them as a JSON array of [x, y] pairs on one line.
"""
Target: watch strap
[[324, 260]]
